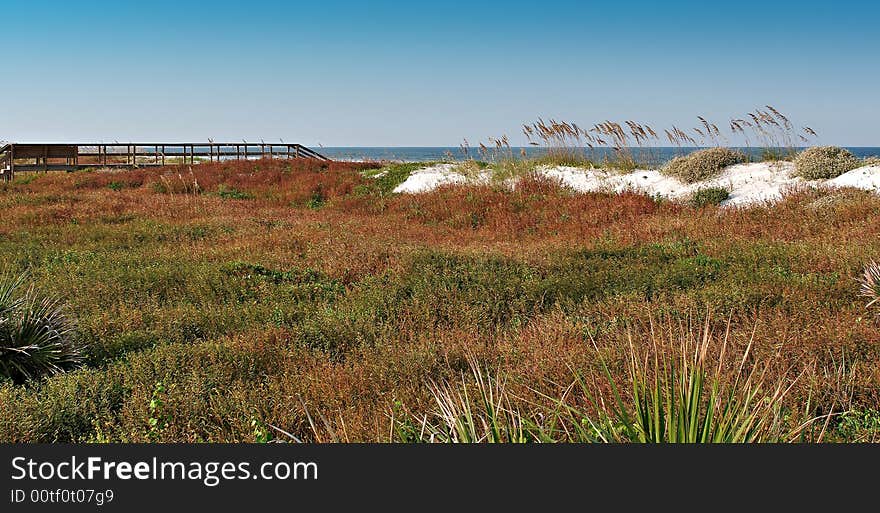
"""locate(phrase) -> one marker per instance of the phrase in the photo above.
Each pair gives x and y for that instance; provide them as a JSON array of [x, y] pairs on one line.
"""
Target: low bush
[[824, 162], [708, 196], [703, 164], [232, 193]]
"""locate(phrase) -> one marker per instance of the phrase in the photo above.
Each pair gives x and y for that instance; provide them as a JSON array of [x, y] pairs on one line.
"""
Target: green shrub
[[858, 426], [823, 162], [708, 196], [166, 393], [232, 193], [317, 199], [703, 164], [35, 333]]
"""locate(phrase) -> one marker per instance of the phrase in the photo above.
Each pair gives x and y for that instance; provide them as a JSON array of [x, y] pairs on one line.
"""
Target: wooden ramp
[[18, 157]]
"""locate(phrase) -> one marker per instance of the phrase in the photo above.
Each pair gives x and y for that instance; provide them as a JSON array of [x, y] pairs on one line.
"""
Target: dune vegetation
[[825, 162], [754, 159], [703, 164], [305, 301], [766, 134]]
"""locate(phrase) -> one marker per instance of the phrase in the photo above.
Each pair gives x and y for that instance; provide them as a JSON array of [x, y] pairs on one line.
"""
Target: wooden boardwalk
[[17, 157]]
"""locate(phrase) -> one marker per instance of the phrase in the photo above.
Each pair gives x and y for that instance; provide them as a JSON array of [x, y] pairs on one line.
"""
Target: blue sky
[[410, 74]]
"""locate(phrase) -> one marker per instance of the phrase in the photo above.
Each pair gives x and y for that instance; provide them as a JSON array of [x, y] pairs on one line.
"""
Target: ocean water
[[647, 156]]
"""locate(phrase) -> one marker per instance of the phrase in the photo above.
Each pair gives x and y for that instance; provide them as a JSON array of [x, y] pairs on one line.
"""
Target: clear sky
[[382, 73]]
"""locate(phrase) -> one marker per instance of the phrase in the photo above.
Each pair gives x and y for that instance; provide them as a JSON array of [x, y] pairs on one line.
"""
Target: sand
[[748, 183], [429, 178], [866, 178]]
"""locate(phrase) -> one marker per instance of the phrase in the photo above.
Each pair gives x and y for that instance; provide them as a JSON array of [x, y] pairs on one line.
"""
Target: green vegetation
[[703, 164], [226, 192], [572, 158], [36, 336], [680, 398], [861, 426], [708, 196], [387, 178], [823, 162]]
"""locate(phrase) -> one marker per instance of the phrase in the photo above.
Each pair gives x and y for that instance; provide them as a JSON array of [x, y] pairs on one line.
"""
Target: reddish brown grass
[[800, 300]]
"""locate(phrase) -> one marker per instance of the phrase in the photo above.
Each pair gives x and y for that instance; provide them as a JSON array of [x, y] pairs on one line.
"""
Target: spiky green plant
[[680, 398], [673, 396], [36, 335], [870, 281]]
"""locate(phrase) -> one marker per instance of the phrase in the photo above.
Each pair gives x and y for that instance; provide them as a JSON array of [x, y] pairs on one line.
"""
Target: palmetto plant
[[870, 281], [36, 336]]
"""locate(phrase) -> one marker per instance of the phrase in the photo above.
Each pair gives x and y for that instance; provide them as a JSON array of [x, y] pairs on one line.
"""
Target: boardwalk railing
[[16, 157]]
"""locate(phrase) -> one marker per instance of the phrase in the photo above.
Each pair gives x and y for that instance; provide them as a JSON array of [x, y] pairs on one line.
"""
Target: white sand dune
[[755, 182], [429, 178], [867, 178], [748, 183]]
